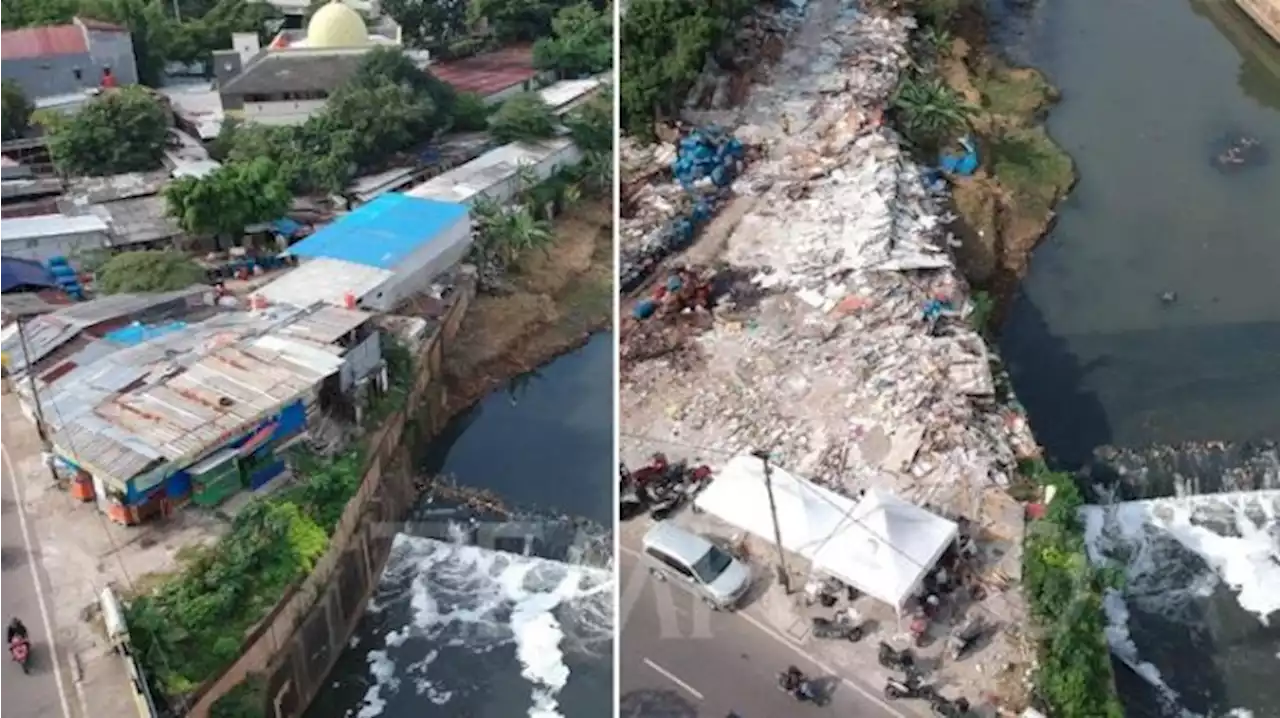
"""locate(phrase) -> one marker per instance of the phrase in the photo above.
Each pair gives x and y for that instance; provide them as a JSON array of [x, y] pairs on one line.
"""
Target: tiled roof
[[33, 42]]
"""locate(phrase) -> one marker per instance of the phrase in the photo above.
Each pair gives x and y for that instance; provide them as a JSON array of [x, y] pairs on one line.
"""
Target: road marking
[[673, 678], [795, 648], [35, 579]]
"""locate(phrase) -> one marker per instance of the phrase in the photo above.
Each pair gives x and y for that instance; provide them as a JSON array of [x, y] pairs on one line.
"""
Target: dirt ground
[[1007, 206], [563, 296]]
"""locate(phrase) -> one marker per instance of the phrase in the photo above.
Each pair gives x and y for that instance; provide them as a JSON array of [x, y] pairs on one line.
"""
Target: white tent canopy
[[881, 545]]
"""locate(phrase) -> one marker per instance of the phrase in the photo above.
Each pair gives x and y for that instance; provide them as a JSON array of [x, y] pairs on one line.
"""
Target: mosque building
[[292, 78]]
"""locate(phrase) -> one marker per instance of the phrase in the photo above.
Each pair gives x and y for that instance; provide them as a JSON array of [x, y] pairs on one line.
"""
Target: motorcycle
[[945, 708], [894, 659], [20, 651], [959, 642], [798, 687], [897, 689], [836, 630]]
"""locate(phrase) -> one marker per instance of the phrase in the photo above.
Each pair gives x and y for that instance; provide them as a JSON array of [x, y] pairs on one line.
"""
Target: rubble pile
[[661, 325], [706, 162], [858, 369]]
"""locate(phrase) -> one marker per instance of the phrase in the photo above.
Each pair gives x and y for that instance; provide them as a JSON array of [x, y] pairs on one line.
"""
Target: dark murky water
[[1154, 92], [545, 442]]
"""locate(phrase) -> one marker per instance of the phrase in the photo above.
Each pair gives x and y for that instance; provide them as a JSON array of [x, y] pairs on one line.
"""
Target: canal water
[[1149, 324], [460, 630]]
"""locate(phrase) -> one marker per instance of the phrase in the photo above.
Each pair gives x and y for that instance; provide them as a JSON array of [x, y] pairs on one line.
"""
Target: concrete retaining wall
[[1264, 12], [297, 644]]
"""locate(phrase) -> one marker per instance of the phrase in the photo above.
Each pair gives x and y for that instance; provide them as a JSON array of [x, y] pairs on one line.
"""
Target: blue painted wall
[[289, 422]]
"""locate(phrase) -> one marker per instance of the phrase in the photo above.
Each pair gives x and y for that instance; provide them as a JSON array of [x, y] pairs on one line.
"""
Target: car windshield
[[712, 564]]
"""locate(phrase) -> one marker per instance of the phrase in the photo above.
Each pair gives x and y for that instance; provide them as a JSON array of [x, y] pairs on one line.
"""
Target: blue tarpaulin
[[964, 163], [19, 273]]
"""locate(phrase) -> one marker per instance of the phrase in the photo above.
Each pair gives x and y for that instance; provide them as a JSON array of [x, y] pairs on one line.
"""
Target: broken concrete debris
[[857, 367]]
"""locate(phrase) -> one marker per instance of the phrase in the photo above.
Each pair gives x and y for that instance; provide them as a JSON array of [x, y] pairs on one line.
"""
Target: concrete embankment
[[1264, 12], [478, 342]]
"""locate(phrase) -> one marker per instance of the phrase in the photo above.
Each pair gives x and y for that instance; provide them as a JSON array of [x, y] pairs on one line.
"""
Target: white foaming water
[[1235, 535], [470, 598]]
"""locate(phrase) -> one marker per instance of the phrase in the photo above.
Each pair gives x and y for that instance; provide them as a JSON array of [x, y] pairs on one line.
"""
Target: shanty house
[[377, 256], [68, 59]]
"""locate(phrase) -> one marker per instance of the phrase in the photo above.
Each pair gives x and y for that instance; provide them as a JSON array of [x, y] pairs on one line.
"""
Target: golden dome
[[336, 25]]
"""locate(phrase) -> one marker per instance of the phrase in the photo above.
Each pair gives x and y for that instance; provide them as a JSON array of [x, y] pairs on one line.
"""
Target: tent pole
[[784, 575]]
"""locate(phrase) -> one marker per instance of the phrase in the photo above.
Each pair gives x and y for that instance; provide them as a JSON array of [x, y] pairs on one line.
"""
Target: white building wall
[[42, 249], [462, 184], [417, 272], [360, 361], [288, 112]]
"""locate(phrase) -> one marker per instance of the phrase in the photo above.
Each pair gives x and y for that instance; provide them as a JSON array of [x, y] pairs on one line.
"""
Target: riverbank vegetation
[[192, 624], [1065, 591], [958, 87], [667, 44]]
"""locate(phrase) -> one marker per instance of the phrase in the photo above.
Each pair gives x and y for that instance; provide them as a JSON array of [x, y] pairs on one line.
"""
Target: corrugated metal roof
[[19, 229], [190, 410], [383, 232], [50, 331], [562, 94], [324, 281], [36, 42], [488, 73], [326, 324], [494, 167]]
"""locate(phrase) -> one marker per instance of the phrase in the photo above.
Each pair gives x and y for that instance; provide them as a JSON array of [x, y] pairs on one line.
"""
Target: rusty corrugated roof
[[488, 73], [33, 42]]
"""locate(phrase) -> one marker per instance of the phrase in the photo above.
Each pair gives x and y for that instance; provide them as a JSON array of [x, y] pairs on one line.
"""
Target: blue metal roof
[[20, 272], [383, 232]]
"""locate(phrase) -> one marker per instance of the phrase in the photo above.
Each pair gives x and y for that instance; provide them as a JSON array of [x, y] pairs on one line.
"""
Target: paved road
[[680, 660], [36, 695]]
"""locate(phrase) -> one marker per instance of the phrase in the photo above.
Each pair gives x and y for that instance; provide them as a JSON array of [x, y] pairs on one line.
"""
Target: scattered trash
[[964, 163]]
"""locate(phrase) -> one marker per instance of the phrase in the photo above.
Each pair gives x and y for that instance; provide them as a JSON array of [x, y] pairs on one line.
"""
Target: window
[[669, 562], [712, 564]]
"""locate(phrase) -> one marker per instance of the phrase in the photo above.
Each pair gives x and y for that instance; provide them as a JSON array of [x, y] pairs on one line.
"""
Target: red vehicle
[[20, 651]]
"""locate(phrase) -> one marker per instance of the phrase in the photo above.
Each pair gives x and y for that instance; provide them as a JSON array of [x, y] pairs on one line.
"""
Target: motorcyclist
[[792, 678], [16, 630]]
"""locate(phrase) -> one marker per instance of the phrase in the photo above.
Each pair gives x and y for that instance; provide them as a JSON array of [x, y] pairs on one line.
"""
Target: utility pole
[[31, 376], [783, 575]]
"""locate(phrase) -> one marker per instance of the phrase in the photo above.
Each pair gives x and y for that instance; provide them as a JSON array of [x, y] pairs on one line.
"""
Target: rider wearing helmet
[[16, 630]]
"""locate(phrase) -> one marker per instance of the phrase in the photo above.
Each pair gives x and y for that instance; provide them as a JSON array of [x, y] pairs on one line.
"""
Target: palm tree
[[929, 111], [519, 231]]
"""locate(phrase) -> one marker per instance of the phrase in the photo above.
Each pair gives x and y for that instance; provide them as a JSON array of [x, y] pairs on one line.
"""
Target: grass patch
[[1020, 92], [1031, 167], [1064, 591], [984, 308]]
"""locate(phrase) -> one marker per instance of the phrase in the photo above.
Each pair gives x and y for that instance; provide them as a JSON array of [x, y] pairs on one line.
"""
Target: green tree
[[385, 65], [667, 45], [591, 125], [122, 130], [435, 25], [148, 271], [516, 20], [506, 233], [382, 118], [16, 111], [150, 26], [35, 13], [522, 118], [581, 44], [470, 113], [224, 202]]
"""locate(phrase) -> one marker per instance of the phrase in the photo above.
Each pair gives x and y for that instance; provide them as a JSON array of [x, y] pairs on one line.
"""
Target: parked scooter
[[946, 708], [896, 689], [962, 639], [846, 625], [896, 660]]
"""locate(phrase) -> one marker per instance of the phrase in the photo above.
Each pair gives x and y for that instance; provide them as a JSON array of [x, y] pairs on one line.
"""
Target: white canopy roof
[[880, 545]]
